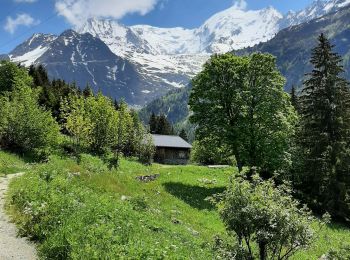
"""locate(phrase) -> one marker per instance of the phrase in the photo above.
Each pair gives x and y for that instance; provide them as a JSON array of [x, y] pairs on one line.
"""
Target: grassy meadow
[[79, 209]]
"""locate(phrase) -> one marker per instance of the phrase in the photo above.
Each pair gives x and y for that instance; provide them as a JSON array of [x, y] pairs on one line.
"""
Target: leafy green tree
[[241, 100], [27, 127], [77, 121], [146, 150], [210, 151], [12, 75], [267, 221], [104, 119], [325, 133], [94, 124], [135, 135]]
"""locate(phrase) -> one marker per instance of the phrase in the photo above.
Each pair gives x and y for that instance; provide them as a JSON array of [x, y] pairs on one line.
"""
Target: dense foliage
[[12, 75], [210, 151], [324, 137], [30, 103], [241, 101], [25, 127], [265, 217], [160, 125]]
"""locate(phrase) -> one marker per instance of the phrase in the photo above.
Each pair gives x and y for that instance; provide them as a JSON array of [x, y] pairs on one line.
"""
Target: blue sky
[[19, 19]]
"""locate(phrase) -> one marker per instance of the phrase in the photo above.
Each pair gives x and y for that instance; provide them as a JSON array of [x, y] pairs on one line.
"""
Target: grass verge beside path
[[11, 163]]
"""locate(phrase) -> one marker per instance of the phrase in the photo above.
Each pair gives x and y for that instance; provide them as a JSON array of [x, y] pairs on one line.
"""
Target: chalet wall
[[177, 156]]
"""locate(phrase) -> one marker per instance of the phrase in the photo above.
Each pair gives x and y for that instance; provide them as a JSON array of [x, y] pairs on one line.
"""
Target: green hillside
[[84, 211], [174, 105]]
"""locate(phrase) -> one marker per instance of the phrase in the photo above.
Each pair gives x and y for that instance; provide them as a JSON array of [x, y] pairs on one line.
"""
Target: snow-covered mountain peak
[[103, 26], [146, 60], [316, 9], [235, 28], [227, 30]]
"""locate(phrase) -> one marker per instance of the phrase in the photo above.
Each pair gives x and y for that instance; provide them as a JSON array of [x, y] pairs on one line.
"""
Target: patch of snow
[[29, 58]]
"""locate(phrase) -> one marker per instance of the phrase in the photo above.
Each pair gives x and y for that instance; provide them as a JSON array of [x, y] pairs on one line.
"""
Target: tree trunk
[[262, 251]]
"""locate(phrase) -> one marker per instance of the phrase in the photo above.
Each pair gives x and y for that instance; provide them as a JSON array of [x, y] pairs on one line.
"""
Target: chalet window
[[182, 155]]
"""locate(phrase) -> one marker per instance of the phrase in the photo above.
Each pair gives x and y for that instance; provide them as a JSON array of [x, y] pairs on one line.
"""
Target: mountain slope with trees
[[293, 46]]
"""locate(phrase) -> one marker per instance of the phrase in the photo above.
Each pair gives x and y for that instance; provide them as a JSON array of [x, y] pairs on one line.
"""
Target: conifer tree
[[325, 133], [39, 75], [160, 125], [87, 92], [164, 127], [116, 105], [294, 99], [153, 124], [183, 135]]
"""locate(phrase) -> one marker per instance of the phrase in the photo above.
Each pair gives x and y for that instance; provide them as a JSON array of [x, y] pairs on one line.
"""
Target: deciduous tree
[[241, 101]]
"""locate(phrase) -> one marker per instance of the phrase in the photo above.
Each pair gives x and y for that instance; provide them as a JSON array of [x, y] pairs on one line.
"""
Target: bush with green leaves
[[26, 127], [209, 151], [340, 254], [267, 221], [146, 150]]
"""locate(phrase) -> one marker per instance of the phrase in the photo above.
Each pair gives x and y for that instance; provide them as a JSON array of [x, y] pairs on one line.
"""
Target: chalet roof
[[170, 141]]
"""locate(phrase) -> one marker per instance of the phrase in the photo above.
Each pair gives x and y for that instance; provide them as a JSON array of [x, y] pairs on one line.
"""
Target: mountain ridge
[[159, 59]]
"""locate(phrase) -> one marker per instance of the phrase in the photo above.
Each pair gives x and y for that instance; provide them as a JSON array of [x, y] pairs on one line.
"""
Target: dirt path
[[11, 246]]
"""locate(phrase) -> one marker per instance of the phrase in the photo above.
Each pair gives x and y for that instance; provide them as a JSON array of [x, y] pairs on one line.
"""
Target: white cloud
[[240, 4], [21, 20], [25, 1], [77, 12]]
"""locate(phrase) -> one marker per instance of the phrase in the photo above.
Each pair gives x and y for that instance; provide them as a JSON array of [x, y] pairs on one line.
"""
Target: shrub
[[92, 164], [25, 126], [209, 151], [146, 150], [266, 217], [342, 253]]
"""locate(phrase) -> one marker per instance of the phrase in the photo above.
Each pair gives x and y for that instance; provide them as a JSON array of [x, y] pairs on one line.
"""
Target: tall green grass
[[84, 211], [11, 163]]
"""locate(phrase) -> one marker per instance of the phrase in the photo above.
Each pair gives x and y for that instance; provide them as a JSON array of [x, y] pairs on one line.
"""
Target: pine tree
[[325, 133], [87, 92], [39, 75], [183, 135], [164, 127], [116, 105], [294, 99], [153, 124]]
